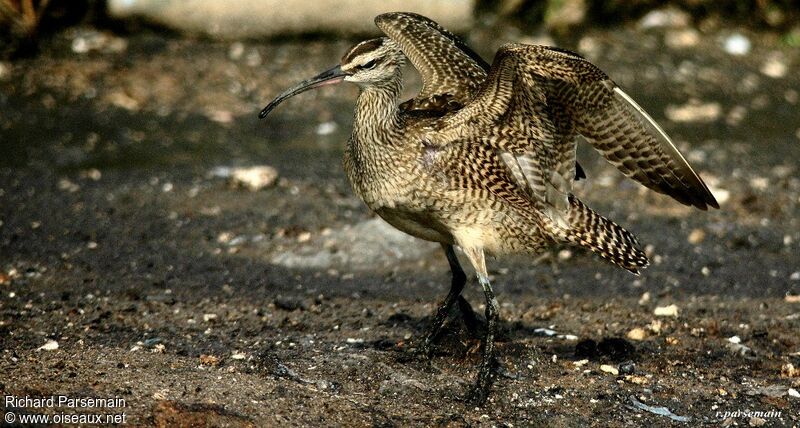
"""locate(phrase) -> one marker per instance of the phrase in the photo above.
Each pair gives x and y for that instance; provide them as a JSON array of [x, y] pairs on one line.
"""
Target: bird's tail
[[610, 241]]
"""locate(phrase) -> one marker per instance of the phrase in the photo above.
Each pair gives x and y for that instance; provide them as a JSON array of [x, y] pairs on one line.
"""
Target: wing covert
[[553, 94], [451, 72]]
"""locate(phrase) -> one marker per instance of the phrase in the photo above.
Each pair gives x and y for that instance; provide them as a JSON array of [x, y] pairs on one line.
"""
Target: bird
[[483, 159]]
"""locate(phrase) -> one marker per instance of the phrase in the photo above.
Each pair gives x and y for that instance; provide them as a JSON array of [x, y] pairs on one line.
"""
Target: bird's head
[[371, 62]]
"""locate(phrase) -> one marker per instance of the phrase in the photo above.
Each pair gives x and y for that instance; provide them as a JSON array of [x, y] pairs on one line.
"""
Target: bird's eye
[[369, 65]]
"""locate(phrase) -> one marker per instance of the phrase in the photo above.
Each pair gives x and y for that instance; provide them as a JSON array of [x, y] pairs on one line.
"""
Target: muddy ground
[[122, 242]]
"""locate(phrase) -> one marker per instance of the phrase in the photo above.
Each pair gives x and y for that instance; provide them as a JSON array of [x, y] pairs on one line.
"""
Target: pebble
[[637, 334], [721, 195], [645, 298], [696, 236], [694, 111], [735, 339], [122, 100], [736, 115], [774, 67], [68, 185], [682, 39], [238, 356], [655, 326], [627, 368], [609, 369], [793, 393], [666, 311], [89, 40], [5, 70], [737, 44], [254, 178], [220, 116], [739, 349], [668, 17], [326, 128], [638, 380], [789, 370], [50, 345], [209, 360], [235, 51]]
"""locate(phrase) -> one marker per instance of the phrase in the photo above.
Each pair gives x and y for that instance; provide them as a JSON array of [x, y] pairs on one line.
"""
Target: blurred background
[[139, 190]]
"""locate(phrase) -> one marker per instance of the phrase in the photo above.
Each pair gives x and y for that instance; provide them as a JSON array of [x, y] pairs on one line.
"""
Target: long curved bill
[[327, 77]]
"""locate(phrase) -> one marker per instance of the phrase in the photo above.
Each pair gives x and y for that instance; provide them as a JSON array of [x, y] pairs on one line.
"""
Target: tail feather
[[604, 237]]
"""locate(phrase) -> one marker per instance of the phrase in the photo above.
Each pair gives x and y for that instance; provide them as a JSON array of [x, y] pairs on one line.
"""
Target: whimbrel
[[484, 157]]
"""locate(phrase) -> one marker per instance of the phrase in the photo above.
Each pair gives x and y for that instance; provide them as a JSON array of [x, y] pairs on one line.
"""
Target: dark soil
[[118, 243]]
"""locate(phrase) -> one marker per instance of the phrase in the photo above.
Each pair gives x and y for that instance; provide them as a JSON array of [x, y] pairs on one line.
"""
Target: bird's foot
[[478, 393]]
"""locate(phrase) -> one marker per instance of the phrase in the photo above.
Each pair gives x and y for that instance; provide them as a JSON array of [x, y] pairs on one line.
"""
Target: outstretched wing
[[452, 73], [551, 93]]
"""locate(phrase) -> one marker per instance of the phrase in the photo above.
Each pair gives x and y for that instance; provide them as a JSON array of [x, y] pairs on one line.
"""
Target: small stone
[[238, 356], [740, 350], [564, 255], [326, 128], [93, 174], [720, 194], [756, 421], [696, 236], [69, 186], [50, 345], [774, 67], [580, 363], [694, 111], [253, 58], [209, 360], [638, 380], [666, 311], [122, 100], [254, 178], [737, 44], [682, 39], [789, 370], [91, 245], [220, 116], [627, 367], [645, 298], [655, 326], [5, 70], [209, 317], [668, 17], [235, 51], [792, 298], [672, 341], [735, 339], [637, 334], [793, 393], [609, 369]]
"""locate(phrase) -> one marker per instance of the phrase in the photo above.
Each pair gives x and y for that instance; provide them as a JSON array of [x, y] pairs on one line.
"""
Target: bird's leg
[[467, 314], [481, 389], [456, 286]]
